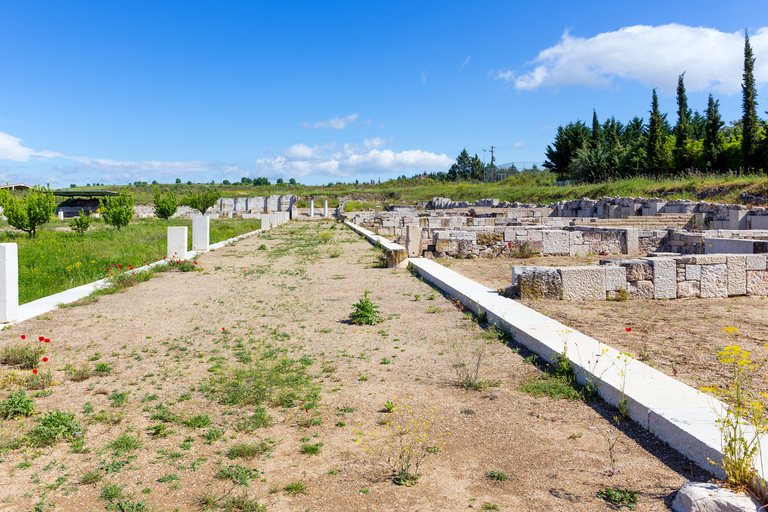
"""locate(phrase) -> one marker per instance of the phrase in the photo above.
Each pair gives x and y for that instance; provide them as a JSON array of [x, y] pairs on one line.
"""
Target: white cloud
[[337, 123], [654, 56], [10, 149], [466, 61], [424, 76], [354, 160]]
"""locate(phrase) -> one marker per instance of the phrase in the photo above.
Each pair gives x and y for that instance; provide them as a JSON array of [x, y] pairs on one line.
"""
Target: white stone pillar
[[325, 208], [61, 214], [229, 216], [177, 243], [311, 208], [201, 228], [9, 282]]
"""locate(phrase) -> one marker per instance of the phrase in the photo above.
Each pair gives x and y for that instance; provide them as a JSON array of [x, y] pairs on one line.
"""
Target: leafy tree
[[654, 146], [166, 203], [279, 181], [749, 124], [202, 200], [590, 164], [261, 182], [477, 168], [562, 151], [117, 210], [713, 141], [226, 182], [292, 181], [81, 223], [178, 180], [30, 211], [683, 127]]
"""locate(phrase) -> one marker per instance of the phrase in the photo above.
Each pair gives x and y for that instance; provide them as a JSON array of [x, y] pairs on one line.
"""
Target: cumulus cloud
[[355, 159], [11, 149], [653, 56], [337, 123]]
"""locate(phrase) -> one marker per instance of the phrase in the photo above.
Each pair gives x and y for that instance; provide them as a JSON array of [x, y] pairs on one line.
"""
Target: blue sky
[[115, 92]]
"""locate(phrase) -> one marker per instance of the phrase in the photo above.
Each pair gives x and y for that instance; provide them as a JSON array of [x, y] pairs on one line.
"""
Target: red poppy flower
[[47, 340], [628, 329], [45, 359], [34, 371], [223, 328], [23, 337], [41, 338]]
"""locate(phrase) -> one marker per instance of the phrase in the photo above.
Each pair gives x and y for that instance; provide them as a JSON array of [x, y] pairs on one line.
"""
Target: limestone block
[[737, 275], [692, 272], [664, 278], [448, 246], [708, 497], [201, 232], [757, 282], [703, 259], [583, 283], [686, 289], [413, 240], [714, 281], [640, 289], [638, 270], [9, 282], [535, 235], [540, 283], [177, 242], [728, 246], [755, 261], [615, 278], [486, 238], [556, 242]]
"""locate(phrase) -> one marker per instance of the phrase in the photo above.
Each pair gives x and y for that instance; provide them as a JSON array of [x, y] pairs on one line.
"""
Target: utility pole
[[492, 154]]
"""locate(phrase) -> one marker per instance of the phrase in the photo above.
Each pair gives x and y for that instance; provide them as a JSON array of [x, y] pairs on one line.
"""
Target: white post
[[177, 243], [229, 215], [201, 228], [311, 208], [61, 214], [325, 208], [9, 282]]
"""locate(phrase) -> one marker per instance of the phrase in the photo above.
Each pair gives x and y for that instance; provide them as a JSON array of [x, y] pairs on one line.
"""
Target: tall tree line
[[612, 150]]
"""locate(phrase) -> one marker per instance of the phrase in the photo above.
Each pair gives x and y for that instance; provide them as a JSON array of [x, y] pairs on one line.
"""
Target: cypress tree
[[655, 141], [597, 132], [749, 124], [683, 127], [713, 146]]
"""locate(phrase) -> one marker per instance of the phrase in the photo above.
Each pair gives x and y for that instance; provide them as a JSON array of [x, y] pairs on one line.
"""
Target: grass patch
[[124, 443], [55, 426], [249, 450], [311, 449], [17, 405], [619, 496], [238, 474], [556, 388]]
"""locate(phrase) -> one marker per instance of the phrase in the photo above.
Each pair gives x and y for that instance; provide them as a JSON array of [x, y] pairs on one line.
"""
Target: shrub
[[117, 210], [166, 203], [202, 200], [53, 427], [365, 312], [18, 404], [499, 476], [30, 211], [124, 443], [81, 223], [78, 374], [24, 355], [39, 380]]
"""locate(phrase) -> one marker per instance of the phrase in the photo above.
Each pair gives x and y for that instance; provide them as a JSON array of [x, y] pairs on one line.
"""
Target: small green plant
[[117, 211], [249, 450], [619, 496], [111, 492], [102, 369], [173, 477], [524, 250], [24, 355], [389, 406], [16, 405], [238, 474], [78, 374], [490, 506], [91, 476], [295, 488], [118, 398], [55, 426], [159, 431], [81, 223], [311, 449], [259, 419], [365, 312], [262, 247], [417, 297], [124, 443], [198, 421], [498, 475], [213, 434], [166, 203]]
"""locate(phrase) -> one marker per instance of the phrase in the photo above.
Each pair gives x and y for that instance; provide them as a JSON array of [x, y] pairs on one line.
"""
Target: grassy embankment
[[58, 260]]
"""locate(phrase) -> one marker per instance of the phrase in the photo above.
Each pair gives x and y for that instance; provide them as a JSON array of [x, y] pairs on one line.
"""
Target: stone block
[[703, 259], [638, 270], [9, 282], [311, 208], [540, 283], [664, 278], [615, 278], [728, 246], [201, 226], [413, 241], [177, 242], [447, 246], [640, 289], [583, 283], [556, 242], [759, 222], [757, 282], [486, 238], [692, 272], [755, 261], [714, 281], [686, 289], [737, 275]]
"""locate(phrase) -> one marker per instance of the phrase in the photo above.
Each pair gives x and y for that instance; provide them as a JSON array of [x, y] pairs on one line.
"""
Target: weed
[[213, 434], [17, 404], [468, 358], [524, 250], [311, 449], [259, 419], [91, 476], [24, 355], [159, 431], [238, 474], [173, 477], [389, 406], [490, 506], [249, 450], [498, 475], [54, 426], [80, 374], [198, 421], [39, 380], [556, 388], [619, 496], [365, 312], [242, 504], [295, 488], [118, 398], [102, 369], [124, 443], [111, 492]]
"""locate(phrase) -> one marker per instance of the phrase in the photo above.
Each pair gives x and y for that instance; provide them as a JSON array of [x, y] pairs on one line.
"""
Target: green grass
[[56, 261], [249, 450], [556, 388], [55, 426], [238, 474], [124, 443]]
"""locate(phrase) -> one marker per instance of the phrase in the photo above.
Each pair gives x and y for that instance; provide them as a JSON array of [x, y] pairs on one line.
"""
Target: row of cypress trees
[[695, 144]]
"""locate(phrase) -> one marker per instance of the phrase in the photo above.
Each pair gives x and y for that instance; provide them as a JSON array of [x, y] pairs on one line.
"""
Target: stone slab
[[615, 278], [737, 275], [9, 282], [583, 283], [757, 282], [664, 278], [714, 281], [556, 242]]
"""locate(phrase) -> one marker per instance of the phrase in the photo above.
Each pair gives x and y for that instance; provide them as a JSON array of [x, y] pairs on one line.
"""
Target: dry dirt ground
[[678, 337], [284, 298]]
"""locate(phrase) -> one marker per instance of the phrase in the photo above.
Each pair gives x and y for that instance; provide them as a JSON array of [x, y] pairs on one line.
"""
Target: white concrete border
[[397, 255], [678, 414]]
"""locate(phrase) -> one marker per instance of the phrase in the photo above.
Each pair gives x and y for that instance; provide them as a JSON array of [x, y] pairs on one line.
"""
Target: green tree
[[202, 200], [117, 211], [292, 181], [654, 145], [713, 141], [596, 136], [683, 127], [166, 203], [477, 168], [81, 223], [568, 139], [591, 165], [29, 211], [750, 128], [178, 181], [462, 169]]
